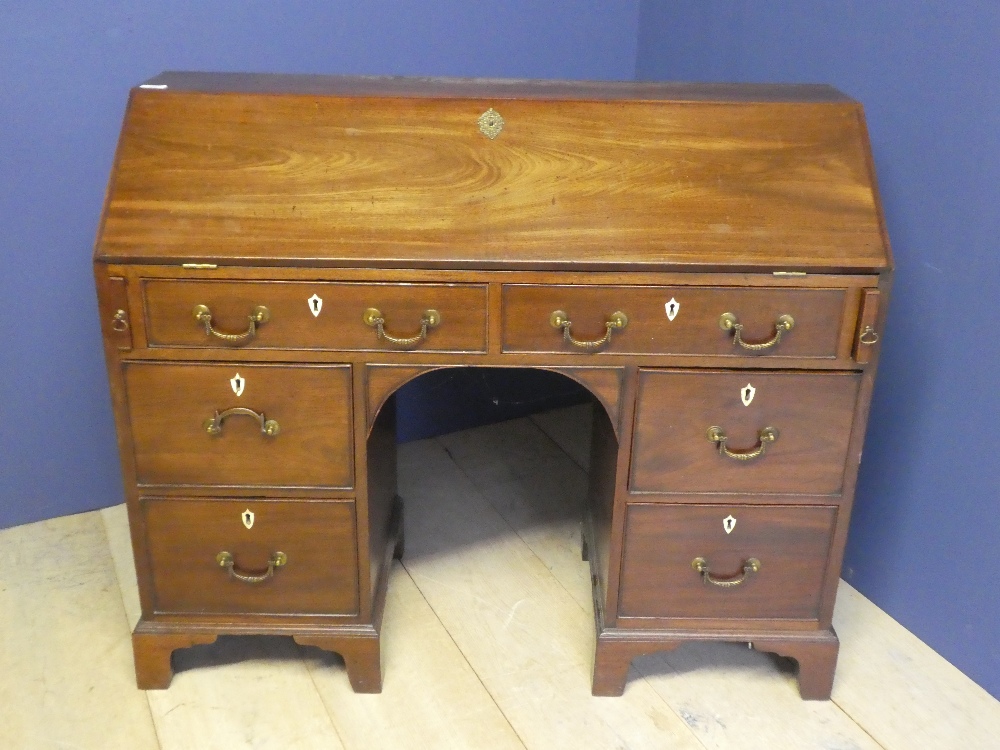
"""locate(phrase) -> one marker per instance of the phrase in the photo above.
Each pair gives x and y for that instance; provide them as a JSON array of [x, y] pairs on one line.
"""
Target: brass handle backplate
[[373, 317], [718, 436], [617, 321], [728, 322], [257, 316], [225, 560], [213, 425], [700, 564]]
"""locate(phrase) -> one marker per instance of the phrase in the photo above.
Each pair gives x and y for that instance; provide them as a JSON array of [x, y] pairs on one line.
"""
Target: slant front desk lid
[[487, 174]]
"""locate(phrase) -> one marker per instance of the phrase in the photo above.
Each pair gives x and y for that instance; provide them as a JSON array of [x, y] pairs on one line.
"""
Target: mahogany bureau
[[277, 255]]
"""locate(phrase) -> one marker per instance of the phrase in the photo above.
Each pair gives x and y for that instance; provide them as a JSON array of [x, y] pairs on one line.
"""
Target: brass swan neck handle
[[617, 321]]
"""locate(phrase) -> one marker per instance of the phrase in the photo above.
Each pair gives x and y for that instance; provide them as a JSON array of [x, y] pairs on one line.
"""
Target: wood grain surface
[[813, 414], [791, 543], [338, 323], [168, 404], [694, 329], [410, 181], [318, 538]]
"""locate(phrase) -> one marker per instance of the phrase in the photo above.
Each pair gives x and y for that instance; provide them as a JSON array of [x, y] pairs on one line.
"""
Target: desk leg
[[361, 657], [816, 654], [153, 650], [817, 659], [613, 657], [360, 648]]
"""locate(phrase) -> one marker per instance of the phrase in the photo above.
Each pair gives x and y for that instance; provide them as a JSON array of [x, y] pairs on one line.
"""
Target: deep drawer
[[318, 574], [172, 406], [810, 414], [790, 543], [320, 315], [676, 320]]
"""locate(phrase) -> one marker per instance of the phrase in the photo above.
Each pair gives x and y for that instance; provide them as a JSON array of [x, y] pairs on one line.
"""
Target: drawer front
[[810, 413], [321, 315], [790, 543], [172, 407], [185, 538], [675, 320]]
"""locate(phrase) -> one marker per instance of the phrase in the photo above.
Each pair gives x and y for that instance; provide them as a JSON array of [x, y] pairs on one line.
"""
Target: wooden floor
[[487, 642]]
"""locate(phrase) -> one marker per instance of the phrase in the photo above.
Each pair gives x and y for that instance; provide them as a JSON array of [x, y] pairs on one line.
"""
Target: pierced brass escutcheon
[[373, 317], [766, 435], [728, 322], [700, 564], [490, 123], [225, 560], [559, 319], [257, 316]]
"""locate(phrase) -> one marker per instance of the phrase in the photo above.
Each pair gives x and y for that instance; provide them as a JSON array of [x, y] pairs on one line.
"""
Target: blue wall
[[65, 70], [924, 540]]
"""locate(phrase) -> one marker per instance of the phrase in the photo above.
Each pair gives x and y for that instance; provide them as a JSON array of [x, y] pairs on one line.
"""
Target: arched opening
[[493, 513], [458, 398]]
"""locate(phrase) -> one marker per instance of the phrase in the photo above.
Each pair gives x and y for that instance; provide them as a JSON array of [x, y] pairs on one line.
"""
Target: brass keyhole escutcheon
[[490, 123]]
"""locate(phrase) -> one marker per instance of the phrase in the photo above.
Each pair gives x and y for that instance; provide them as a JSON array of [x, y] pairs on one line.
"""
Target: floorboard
[[66, 675], [904, 693], [530, 642], [431, 697]]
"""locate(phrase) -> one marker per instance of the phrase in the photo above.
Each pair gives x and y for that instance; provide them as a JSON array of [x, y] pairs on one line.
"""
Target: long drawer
[[240, 424], [678, 320], [315, 315], [748, 431], [717, 561], [252, 556]]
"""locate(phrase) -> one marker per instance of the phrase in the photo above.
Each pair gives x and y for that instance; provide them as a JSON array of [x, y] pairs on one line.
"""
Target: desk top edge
[[493, 88]]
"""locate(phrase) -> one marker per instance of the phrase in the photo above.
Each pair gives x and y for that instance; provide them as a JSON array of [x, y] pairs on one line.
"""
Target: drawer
[[171, 406], [315, 315], [318, 574], [790, 543], [811, 415], [676, 319]]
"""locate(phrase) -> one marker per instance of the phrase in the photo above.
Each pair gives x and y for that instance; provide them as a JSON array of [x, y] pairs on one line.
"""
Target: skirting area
[[487, 641]]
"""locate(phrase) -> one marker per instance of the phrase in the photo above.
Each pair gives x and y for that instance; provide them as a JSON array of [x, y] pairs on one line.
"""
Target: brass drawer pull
[[257, 316], [868, 337], [767, 435], [558, 319], [213, 425], [120, 321], [225, 560], [373, 317], [728, 322], [750, 565]]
